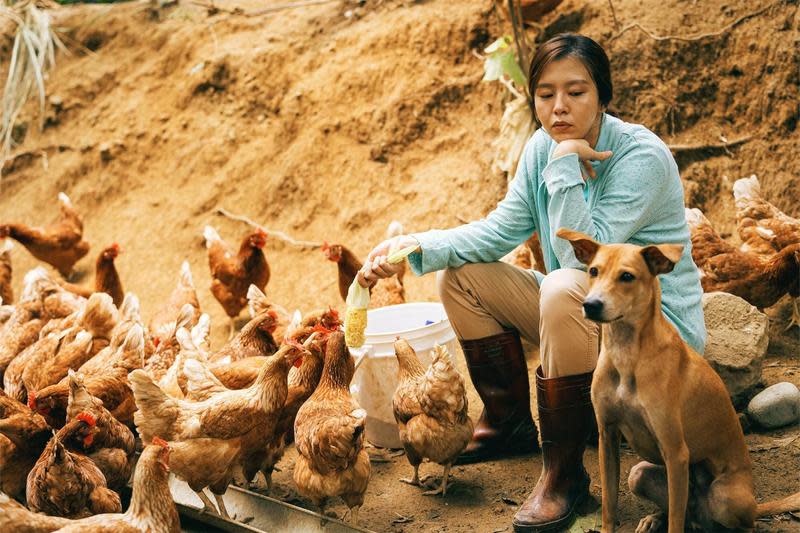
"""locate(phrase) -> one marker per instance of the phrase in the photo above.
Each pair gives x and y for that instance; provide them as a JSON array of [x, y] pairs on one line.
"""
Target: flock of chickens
[[767, 264], [86, 383]]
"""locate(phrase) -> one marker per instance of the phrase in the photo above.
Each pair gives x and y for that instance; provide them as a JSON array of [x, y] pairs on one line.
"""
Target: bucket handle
[[367, 349]]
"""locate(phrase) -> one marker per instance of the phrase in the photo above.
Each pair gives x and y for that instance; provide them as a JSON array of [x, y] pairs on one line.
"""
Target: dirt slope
[[329, 126]]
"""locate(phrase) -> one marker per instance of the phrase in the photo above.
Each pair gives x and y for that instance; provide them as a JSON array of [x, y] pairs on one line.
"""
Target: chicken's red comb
[[32, 400], [88, 418], [156, 341], [273, 314], [325, 246], [334, 313], [158, 441], [319, 328], [261, 232]]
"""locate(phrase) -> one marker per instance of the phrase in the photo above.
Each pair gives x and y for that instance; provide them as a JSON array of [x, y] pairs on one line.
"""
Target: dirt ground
[[328, 121]]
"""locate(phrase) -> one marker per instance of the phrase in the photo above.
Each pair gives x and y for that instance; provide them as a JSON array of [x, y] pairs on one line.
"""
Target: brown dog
[[667, 401]]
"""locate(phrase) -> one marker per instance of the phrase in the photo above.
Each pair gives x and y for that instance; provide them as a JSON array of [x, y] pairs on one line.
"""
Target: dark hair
[[584, 49]]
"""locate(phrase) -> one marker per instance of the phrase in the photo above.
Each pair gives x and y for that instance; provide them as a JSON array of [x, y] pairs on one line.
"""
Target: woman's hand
[[377, 266], [586, 153]]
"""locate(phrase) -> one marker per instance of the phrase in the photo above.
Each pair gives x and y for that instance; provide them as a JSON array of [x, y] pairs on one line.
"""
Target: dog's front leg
[[676, 459], [609, 474]]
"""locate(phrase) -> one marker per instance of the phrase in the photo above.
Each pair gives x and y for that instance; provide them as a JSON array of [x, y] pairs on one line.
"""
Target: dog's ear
[[585, 247], [661, 258]]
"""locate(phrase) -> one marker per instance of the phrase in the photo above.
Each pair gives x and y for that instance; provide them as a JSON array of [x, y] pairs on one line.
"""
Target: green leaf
[[499, 45], [501, 61], [512, 70]]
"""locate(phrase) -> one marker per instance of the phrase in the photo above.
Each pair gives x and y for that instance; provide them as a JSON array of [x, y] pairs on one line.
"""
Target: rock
[[775, 406], [737, 342]]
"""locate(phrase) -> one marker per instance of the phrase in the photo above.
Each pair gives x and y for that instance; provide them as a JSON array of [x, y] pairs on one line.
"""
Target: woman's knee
[[562, 292]]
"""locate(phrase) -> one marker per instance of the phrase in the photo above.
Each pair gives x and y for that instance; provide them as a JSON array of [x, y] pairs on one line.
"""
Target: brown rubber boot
[[566, 419], [497, 368]]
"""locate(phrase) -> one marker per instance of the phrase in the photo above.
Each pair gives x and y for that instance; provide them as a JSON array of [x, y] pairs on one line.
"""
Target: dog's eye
[[626, 276], [593, 272]]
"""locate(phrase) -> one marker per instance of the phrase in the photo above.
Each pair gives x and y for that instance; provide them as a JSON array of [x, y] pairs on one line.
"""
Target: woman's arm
[[486, 240], [633, 188]]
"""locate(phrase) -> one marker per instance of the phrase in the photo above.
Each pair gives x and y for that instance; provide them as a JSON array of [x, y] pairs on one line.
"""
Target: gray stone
[[738, 335], [775, 406]]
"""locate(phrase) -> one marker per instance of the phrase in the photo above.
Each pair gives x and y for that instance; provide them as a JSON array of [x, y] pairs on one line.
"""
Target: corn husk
[[355, 319]]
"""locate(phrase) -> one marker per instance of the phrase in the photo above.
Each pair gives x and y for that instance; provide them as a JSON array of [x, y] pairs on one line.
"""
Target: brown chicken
[[6, 291], [226, 415], [760, 280], [233, 274], [162, 321], [242, 373], [113, 446], [60, 244], [106, 277], [329, 435], [387, 291], [111, 386], [68, 484], [430, 407], [168, 347], [17, 518], [151, 510], [763, 228], [23, 436], [255, 339], [20, 331], [13, 384], [205, 463], [257, 303], [97, 320], [193, 345]]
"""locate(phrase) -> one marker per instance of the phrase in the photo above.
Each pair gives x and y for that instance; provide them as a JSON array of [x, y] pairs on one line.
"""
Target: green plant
[[516, 124]]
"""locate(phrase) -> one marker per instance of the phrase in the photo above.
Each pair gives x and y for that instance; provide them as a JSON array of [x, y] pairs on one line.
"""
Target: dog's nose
[[593, 308]]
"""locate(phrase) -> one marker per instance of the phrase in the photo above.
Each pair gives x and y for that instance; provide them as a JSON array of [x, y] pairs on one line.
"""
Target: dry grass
[[32, 57]]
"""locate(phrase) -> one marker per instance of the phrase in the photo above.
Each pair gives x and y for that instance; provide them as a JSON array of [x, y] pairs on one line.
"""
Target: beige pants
[[483, 299]]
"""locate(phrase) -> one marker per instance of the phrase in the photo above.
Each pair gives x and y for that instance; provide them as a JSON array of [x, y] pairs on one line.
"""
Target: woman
[[584, 170]]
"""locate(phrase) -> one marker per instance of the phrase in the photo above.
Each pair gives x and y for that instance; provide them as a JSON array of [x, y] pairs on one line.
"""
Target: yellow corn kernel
[[355, 323]]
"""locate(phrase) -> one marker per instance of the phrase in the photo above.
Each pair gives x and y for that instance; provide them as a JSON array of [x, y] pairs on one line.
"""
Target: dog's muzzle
[[593, 309]]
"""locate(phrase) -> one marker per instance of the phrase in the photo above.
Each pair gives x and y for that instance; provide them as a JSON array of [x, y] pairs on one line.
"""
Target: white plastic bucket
[[423, 325]]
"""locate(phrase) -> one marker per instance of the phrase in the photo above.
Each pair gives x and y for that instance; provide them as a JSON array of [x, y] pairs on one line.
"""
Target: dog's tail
[[784, 505]]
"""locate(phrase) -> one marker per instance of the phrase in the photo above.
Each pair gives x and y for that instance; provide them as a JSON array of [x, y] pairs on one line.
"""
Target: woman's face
[[567, 103]]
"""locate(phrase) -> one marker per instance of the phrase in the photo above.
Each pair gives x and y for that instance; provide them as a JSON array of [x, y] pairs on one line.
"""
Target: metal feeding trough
[[254, 513]]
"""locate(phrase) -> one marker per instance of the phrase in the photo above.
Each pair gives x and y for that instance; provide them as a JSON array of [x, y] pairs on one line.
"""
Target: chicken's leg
[[415, 479], [207, 505], [221, 504], [795, 320], [442, 488], [354, 515], [232, 328]]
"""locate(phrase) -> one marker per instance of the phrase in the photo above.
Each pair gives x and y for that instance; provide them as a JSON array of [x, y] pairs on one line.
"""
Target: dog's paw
[[651, 523]]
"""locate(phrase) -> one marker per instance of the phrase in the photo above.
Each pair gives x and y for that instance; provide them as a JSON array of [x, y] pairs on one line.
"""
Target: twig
[[719, 146], [238, 11], [696, 37], [272, 233], [462, 219], [613, 14]]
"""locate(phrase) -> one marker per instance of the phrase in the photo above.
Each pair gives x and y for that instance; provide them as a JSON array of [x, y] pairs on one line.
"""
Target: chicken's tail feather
[[64, 199], [210, 235], [186, 281], [156, 412], [746, 188]]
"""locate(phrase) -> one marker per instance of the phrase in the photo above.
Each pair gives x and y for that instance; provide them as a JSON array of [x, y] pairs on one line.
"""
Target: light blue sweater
[[637, 198]]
